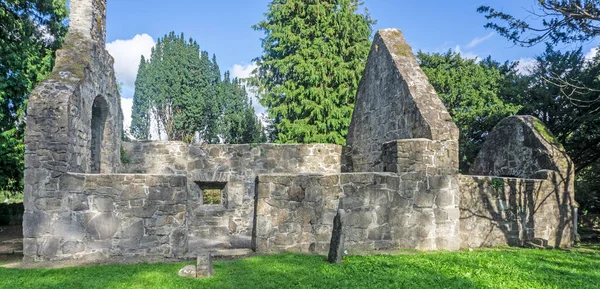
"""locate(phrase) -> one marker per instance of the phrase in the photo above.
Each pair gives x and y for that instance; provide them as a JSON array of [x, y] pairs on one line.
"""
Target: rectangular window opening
[[213, 193]]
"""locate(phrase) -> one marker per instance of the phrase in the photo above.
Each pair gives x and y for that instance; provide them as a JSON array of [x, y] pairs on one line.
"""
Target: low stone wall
[[295, 213], [96, 217], [234, 168], [509, 211]]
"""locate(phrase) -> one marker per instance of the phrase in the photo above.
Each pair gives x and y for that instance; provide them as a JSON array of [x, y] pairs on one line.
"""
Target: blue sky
[[224, 28]]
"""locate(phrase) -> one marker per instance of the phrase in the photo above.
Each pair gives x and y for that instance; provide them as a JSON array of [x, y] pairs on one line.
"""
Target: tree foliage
[[561, 21], [180, 89], [30, 33], [565, 89], [314, 52], [575, 126], [475, 95]]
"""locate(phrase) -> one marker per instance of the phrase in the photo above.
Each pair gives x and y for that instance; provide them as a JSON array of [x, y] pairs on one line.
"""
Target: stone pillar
[[429, 173], [58, 131], [88, 19]]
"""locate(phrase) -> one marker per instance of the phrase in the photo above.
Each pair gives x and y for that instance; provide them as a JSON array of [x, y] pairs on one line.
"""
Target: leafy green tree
[[314, 52], [565, 90], [471, 92], [575, 124], [181, 88], [561, 21], [30, 33]]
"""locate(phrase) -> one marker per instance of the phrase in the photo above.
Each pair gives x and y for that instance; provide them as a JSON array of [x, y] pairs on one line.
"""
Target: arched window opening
[[98, 125]]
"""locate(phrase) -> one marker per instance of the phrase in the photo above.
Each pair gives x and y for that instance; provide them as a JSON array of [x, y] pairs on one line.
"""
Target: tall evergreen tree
[[314, 52], [181, 88], [30, 33], [239, 123], [140, 116]]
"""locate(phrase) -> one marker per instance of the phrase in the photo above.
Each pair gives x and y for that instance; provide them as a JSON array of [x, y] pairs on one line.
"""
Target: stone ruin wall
[[400, 186], [230, 224], [60, 137], [510, 211], [410, 194], [534, 196]]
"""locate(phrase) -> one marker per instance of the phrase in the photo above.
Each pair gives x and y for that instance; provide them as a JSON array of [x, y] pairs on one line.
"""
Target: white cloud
[[244, 71], [127, 55], [590, 54], [478, 40], [525, 66], [126, 105], [464, 54]]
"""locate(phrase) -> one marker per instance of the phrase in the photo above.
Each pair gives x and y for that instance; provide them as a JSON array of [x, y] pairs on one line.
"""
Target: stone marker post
[[336, 246], [204, 266]]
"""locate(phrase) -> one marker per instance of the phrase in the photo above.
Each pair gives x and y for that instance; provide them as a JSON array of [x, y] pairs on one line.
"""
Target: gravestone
[[336, 246], [204, 266]]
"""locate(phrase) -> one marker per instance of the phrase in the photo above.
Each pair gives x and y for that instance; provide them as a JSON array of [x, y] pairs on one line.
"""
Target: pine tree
[[239, 123], [140, 115], [181, 88], [314, 52]]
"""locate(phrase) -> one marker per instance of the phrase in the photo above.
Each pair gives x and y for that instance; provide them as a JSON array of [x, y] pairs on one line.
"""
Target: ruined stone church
[[397, 178]]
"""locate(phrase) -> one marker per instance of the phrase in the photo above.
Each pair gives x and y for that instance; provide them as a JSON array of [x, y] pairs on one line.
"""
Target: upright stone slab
[[518, 147], [74, 123], [204, 266], [336, 246], [394, 101], [400, 125]]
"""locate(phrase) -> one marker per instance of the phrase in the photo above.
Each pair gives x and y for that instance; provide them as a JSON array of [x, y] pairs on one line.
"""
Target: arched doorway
[[99, 127]]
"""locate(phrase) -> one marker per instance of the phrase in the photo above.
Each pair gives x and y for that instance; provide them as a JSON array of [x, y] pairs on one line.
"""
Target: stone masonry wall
[[414, 206], [97, 217], [295, 212], [228, 225], [510, 211], [518, 147], [58, 135]]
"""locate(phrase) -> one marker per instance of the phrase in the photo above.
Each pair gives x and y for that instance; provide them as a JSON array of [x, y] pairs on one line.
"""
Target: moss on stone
[[545, 132], [399, 47], [497, 183], [74, 57]]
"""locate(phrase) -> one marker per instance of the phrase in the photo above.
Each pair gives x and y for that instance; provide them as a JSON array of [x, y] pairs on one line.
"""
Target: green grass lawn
[[486, 268]]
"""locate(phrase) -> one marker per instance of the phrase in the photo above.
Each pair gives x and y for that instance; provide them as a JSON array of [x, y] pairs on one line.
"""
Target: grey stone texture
[[397, 180], [228, 225], [394, 101], [509, 211], [60, 136], [204, 266], [336, 245], [519, 146], [109, 215], [202, 269], [188, 271]]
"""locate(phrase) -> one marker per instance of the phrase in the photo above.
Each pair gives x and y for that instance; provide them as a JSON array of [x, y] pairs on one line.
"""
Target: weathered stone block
[[72, 247], [103, 204], [204, 266], [188, 271], [103, 226]]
